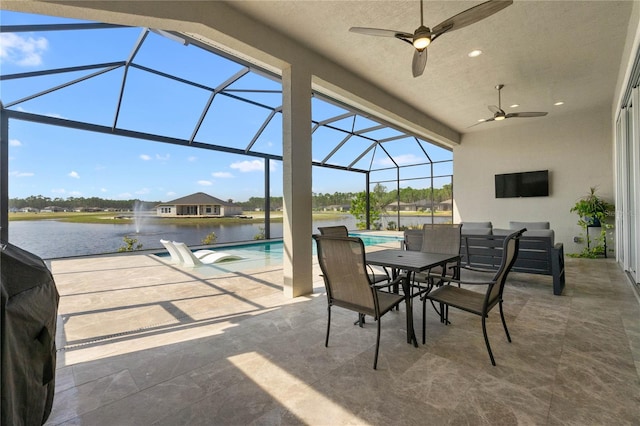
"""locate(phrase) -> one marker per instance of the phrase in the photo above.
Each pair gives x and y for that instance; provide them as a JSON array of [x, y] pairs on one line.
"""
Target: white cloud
[[23, 51], [124, 195], [248, 166], [74, 175], [75, 193], [192, 158], [162, 158], [223, 175], [103, 190], [142, 191], [170, 194], [205, 183], [401, 159], [22, 174], [58, 191], [14, 142], [145, 157]]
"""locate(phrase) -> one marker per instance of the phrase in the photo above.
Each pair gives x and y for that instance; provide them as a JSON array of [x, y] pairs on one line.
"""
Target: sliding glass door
[[628, 186]]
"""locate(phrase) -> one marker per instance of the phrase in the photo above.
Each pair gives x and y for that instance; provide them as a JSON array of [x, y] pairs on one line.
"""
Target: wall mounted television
[[524, 184]]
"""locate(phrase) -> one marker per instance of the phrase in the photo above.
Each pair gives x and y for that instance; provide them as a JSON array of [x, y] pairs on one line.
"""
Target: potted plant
[[593, 211]]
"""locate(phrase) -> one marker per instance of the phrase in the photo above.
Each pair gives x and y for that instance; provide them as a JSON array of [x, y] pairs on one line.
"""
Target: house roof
[[199, 198]]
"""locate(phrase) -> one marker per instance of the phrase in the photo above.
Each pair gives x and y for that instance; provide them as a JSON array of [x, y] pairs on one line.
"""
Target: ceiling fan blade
[[526, 114], [480, 122], [470, 16], [494, 109], [379, 32], [419, 62]]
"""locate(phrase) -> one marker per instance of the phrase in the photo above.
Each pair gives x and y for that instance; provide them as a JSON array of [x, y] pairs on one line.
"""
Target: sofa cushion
[[475, 231], [541, 233], [529, 225], [476, 225], [476, 228], [531, 233]]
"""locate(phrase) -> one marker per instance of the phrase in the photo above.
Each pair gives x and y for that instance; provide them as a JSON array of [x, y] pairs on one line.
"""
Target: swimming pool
[[269, 254]]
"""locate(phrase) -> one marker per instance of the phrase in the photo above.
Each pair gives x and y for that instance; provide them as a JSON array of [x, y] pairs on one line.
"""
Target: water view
[[54, 239]]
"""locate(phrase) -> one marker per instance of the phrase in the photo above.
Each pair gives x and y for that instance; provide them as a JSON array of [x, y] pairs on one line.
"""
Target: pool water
[[269, 254], [374, 240]]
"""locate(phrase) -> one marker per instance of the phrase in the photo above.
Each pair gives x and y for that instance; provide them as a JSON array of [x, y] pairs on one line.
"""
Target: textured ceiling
[[542, 51]]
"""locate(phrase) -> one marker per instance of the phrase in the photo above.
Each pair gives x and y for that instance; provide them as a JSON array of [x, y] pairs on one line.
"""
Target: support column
[[296, 159], [267, 199], [4, 175]]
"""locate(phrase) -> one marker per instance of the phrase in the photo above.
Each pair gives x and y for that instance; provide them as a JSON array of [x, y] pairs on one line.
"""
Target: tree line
[[40, 202], [319, 200]]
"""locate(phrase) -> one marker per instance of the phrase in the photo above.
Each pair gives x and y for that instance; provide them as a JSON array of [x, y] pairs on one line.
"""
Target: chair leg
[[360, 321], [375, 360], [486, 339], [326, 342], [424, 320], [504, 323]]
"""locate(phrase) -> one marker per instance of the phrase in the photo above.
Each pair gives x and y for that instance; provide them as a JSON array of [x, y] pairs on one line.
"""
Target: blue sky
[[58, 162]]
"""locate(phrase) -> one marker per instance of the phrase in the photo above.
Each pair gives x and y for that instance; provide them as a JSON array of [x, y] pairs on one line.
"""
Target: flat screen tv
[[524, 184]]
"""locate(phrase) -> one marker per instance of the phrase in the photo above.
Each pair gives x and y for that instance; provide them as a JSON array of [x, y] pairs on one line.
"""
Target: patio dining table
[[411, 262]]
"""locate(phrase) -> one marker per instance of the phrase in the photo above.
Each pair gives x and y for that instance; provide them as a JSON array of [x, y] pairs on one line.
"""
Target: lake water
[[52, 239]]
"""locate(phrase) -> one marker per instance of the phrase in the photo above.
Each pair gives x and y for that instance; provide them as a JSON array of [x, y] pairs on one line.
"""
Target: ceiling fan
[[423, 36], [499, 114]]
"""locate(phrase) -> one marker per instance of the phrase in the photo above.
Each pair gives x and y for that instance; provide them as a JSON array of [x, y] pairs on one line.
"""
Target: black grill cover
[[28, 322]]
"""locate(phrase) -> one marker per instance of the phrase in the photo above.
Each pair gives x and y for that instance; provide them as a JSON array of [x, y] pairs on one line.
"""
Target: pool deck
[[144, 342]]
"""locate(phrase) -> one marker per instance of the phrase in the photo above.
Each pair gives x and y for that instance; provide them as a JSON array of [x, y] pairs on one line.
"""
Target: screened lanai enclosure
[[100, 88]]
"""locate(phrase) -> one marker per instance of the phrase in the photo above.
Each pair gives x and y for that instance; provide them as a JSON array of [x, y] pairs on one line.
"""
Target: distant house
[[198, 205], [446, 205], [337, 208], [418, 206], [29, 210], [402, 206], [52, 209]]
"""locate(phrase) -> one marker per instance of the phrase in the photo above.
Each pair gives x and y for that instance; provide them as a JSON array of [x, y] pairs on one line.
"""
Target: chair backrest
[[510, 248], [342, 261], [173, 252], [441, 238], [336, 231], [412, 239], [188, 258]]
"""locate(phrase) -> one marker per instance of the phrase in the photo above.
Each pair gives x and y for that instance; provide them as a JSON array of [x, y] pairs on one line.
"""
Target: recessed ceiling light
[[514, 106], [481, 120], [474, 53], [559, 103]]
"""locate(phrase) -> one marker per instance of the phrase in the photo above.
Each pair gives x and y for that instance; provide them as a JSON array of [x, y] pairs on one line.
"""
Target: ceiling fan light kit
[[499, 114], [423, 36]]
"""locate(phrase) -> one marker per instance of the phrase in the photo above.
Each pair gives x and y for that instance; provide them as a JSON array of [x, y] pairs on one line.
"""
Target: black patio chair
[[344, 270], [433, 238], [377, 274], [478, 302]]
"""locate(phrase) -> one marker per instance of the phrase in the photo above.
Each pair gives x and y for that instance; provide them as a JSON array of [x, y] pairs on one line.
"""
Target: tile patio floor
[[142, 342]]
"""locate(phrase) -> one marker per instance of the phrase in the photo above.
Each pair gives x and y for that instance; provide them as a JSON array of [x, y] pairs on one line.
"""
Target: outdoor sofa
[[481, 247]]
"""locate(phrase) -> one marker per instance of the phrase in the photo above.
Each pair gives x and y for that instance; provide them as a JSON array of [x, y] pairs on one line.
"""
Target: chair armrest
[[397, 280], [383, 268], [469, 282]]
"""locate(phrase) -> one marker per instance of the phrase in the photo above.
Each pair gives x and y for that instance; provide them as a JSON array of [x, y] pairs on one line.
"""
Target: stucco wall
[[576, 149]]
